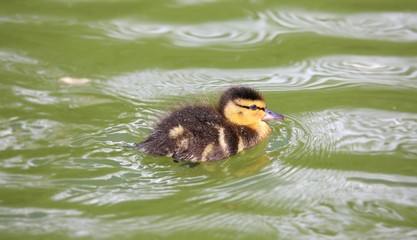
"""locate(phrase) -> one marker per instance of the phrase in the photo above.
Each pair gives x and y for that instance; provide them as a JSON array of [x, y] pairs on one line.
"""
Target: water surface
[[80, 80]]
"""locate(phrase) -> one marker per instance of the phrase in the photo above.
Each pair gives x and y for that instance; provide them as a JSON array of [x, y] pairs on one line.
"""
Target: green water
[[343, 165]]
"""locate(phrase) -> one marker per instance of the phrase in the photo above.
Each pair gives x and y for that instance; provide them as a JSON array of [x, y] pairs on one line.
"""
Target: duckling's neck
[[262, 129], [253, 134]]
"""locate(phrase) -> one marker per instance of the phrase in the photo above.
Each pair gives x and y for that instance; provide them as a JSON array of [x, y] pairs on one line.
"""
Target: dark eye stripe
[[252, 107]]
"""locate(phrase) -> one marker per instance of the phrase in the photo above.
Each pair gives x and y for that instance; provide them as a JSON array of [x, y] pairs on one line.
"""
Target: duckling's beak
[[270, 115]]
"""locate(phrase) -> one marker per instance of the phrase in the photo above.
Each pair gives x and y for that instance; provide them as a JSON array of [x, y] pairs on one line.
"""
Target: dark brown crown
[[238, 93]]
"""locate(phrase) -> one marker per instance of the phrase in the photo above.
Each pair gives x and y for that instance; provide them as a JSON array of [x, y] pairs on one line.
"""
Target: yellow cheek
[[260, 114], [234, 114], [253, 115], [243, 116]]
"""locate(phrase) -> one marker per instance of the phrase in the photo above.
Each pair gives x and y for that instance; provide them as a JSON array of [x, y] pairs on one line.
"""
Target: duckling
[[199, 133]]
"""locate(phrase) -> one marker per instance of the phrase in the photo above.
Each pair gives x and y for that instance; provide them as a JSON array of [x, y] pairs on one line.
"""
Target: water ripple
[[7, 57], [258, 28], [359, 132], [46, 221], [382, 26], [25, 134], [35, 96], [326, 72], [365, 131], [400, 27], [123, 186]]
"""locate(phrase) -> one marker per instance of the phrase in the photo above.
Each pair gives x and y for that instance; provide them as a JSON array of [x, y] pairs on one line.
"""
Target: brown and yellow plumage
[[198, 133]]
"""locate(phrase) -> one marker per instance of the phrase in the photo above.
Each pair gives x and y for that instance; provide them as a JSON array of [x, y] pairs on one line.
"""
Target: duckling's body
[[199, 133]]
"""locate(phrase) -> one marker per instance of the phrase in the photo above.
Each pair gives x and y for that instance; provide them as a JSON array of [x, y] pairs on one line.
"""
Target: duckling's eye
[[253, 107]]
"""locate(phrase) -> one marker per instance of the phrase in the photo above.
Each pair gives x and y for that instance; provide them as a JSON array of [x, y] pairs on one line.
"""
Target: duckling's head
[[246, 107]]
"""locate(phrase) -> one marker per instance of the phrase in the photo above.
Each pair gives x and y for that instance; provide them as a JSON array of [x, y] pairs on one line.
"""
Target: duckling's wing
[[190, 134]]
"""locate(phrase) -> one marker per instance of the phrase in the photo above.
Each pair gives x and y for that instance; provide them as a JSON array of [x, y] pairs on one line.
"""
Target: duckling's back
[[194, 134]]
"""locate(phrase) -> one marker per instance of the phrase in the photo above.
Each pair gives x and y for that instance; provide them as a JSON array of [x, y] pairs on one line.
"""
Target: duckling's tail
[[149, 147], [141, 146], [128, 145]]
